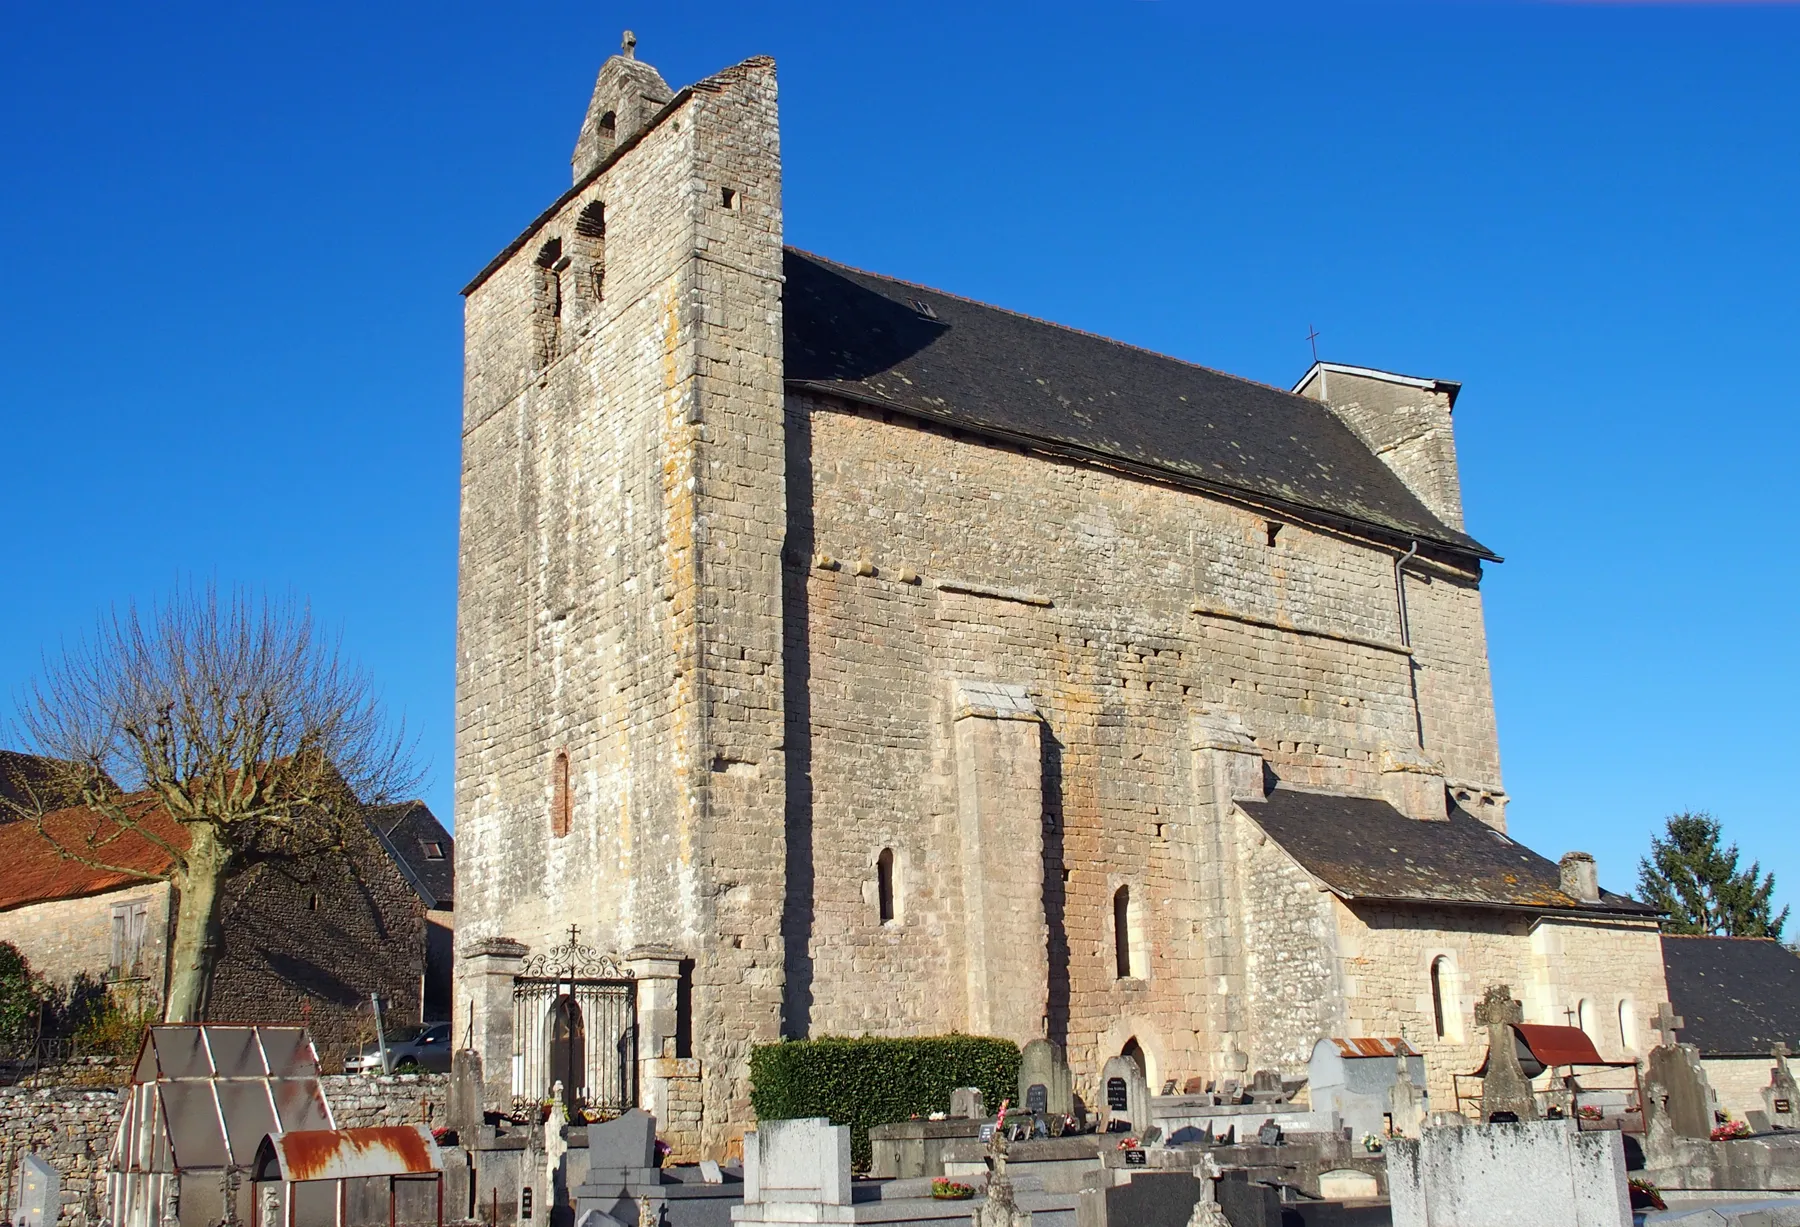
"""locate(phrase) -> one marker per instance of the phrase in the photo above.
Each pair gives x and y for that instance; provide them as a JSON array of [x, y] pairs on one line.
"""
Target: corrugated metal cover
[[1389, 1046], [1559, 1045], [345, 1154]]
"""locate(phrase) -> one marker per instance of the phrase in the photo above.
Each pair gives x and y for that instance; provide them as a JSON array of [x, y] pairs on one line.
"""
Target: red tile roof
[[35, 872]]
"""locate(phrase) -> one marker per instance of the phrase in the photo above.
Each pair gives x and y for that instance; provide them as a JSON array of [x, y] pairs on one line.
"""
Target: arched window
[[1134, 1052], [1584, 1016], [550, 265], [562, 805], [1440, 971], [609, 125], [1128, 937], [884, 885], [1627, 1026], [590, 235]]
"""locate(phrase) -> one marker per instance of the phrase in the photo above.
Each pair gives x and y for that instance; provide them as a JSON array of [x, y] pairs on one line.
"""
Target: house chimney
[[1580, 879]]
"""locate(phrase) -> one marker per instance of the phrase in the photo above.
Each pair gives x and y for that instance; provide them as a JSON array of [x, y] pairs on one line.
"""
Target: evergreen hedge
[[868, 1081]]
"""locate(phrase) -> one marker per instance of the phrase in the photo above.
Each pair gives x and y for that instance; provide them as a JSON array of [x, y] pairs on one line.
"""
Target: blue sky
[[233, 237]]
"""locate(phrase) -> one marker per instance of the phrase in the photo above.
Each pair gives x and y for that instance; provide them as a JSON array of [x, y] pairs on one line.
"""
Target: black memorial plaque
[[1116, 1100]]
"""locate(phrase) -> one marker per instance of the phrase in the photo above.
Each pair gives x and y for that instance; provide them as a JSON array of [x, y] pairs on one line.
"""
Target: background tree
[[221, 731], [1698, 883], [22, 998]]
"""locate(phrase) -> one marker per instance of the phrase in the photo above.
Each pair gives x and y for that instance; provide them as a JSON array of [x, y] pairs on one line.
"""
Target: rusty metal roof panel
[[345, 1154], [1389, 1046], [1363, 848]]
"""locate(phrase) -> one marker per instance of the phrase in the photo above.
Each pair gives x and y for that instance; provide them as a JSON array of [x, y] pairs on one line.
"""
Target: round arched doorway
[[568, 1050]]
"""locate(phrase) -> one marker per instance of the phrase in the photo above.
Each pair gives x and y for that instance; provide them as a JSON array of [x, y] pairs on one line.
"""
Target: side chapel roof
[[1364, 848], [878, 340], [1738, 995]]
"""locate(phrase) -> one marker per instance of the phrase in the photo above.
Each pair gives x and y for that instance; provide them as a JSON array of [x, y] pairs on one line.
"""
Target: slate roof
[[879, 340], [1739, 995], [411, 831], [26, 779], [1364, 848]]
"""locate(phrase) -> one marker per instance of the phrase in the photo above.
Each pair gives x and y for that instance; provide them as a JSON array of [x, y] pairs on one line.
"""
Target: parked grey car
[[411, 1049]]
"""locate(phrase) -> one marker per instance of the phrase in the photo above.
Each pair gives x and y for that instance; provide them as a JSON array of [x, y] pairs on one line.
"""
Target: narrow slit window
[[1437, 996], [1122, 931], [884, 886], [561, 804]]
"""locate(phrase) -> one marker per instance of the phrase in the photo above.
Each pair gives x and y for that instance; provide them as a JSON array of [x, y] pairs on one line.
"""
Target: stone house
[[425, 854], [841, 656], [1738, 998], [305, 939]]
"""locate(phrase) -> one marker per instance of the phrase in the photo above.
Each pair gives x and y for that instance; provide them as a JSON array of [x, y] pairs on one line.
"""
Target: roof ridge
[[1724, 937], [1081, 332]]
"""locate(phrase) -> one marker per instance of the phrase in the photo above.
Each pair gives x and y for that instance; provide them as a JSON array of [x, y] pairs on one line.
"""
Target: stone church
[[838, 656]]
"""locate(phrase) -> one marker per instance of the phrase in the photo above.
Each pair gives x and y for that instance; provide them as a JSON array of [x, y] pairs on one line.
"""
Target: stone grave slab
[[967, 1103], [39, 1201], [1686, 1099], [1044, 1078], [1124, 1095], [621, 1167], [796, 1171]]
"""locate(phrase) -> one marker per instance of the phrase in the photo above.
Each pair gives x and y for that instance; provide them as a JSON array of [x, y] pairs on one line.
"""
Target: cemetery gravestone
[[1408, 1104], [40, 1193], [463, 1113], [1687, 1098], [1125, 1095], [621, 1167], [1265, 1087], [796, 1171], [1042, 1065], [967, 1103], [1504, 1087], [1781, 1097]]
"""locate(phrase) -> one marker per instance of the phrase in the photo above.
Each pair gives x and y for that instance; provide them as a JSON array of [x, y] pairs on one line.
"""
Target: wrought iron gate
[[575, 1022]]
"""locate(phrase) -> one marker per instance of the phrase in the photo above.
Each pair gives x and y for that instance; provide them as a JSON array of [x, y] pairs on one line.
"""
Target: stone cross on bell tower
[[1504, 1086]]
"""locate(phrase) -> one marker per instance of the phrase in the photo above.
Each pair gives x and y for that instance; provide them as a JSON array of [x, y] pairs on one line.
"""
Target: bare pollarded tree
[[219, 730]]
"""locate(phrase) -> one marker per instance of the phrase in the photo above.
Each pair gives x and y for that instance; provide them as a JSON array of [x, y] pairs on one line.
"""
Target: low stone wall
[[73, 1127], [360, 1102]]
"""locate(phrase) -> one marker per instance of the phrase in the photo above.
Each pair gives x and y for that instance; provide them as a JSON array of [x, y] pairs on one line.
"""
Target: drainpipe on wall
[[1400, 593]]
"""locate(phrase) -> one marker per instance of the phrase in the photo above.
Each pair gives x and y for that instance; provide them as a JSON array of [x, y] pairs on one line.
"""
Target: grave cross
[[1781, 1050], [1667, 1022], [1498, 1008]]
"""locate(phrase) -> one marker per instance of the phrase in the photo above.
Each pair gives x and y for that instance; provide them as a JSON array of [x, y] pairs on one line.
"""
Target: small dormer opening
[[609, 125]]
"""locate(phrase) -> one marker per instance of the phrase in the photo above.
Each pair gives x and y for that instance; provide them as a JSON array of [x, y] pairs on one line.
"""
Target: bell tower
[[619, 650], [627, 95]]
